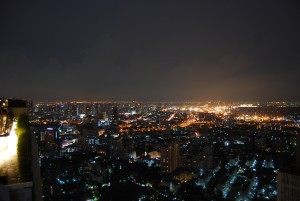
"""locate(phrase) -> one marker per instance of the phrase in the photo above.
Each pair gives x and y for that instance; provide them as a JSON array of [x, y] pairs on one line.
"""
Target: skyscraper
[[116, 146], [114, 120], [209, 155], [298, 153], [169, 159]]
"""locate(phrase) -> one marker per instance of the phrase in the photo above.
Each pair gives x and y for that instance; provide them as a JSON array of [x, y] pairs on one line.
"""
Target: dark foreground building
[[19, 168], [289, 180]]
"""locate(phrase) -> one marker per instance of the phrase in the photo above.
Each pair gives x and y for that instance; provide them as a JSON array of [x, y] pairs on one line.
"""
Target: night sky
[[150, 50]]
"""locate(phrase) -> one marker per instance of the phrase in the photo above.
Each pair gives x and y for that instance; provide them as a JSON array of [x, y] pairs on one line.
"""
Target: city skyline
[[150, 51], [150, 150]]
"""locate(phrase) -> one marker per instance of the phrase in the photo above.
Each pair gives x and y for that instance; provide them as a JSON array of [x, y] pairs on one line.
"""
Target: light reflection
[[8, 148]]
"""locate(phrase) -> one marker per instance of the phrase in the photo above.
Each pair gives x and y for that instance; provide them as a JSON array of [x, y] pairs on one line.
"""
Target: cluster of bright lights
[[259, 118]]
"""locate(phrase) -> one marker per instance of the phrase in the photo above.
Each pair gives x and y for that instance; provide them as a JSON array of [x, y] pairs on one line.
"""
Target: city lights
[[8, 149]]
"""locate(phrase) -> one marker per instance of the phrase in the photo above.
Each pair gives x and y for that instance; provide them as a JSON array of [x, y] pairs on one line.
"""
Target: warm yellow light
[[8, 148]]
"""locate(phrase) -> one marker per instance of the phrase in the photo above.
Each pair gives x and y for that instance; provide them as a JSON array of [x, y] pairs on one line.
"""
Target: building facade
[[288, 186], [169, 159]]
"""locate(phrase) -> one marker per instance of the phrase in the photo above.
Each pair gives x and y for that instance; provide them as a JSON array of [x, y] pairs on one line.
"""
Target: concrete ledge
[[20, 191]]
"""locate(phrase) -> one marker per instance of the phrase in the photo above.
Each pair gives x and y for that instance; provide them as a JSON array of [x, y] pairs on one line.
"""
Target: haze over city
[[150, 50], [149, 100]]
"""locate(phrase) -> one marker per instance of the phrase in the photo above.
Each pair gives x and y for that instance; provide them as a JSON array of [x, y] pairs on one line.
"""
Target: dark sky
[[150, 50]]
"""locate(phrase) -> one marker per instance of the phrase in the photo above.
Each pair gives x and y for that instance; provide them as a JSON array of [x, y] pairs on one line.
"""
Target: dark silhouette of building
[[116, 146], [169, 160], [288, 186], [209, 155], [17, 107], [114, 120], [298, 153]]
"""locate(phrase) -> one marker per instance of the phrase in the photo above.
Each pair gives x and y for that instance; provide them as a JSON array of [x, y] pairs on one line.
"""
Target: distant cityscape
[[150, 100], [134, 150]]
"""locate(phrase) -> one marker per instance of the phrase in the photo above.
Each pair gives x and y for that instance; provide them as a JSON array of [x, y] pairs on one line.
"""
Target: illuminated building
[[20, 182], [169, 159], [89, 139], [103, 120], [68, 138]]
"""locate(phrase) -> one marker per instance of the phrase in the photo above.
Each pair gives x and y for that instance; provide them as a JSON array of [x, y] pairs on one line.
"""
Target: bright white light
[[8, 148], [3, 144]]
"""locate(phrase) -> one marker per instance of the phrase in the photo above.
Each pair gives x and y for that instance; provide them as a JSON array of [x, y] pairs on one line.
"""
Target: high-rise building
[[116, 146], [49, 139], [288, 186], [298, 153], [115, 120], [169, 159], [209, 155]]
